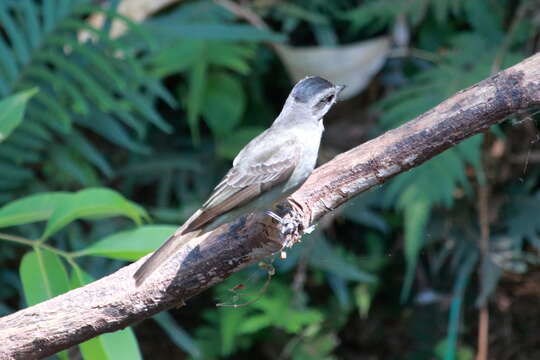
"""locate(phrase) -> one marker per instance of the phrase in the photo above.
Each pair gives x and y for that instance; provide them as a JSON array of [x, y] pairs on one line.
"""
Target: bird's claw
[[287, 225], [273, 215]]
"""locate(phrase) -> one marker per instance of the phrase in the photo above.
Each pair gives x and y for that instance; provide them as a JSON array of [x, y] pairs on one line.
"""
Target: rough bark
[[114, 302]]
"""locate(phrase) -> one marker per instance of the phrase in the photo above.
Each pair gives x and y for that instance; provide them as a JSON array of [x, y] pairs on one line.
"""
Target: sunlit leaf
[[131, 244], [121, 344], [12, 111], [43, 276], [416, 217], [92, 203], [31, 208]]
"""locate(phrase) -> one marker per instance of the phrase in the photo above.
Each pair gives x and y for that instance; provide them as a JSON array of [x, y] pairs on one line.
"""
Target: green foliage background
[[107, 144]]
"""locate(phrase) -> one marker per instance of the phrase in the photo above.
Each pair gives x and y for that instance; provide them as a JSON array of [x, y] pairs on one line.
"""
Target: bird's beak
[[339, 89]]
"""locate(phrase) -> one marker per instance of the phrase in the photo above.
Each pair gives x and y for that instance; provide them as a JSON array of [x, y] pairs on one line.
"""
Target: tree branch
[[114, 302]]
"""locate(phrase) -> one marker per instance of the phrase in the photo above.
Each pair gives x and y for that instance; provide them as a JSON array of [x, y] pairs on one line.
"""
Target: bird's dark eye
[[327, 99]]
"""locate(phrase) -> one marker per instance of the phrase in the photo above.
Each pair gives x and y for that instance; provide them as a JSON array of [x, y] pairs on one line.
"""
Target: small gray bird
[[267, 170]]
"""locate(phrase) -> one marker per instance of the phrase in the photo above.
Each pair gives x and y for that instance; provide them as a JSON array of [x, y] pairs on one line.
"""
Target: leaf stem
[[36, 243]]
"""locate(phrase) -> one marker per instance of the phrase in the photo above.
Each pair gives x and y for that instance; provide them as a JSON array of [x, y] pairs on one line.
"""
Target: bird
[[267, 170]]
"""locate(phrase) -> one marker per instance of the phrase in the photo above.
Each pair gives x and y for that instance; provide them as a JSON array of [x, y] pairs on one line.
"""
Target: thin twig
[[270, 271], [483, 320], [33, 243], [516, 20]]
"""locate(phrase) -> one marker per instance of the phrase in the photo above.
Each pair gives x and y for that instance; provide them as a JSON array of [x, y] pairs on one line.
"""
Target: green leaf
[[224, 103], [131, 244], [195, 98], [276, 305], [230, 325], [12, 111], [179, 57], [416, 218], [92, 203], [79, 278], [363, 298], [43, 276], [230, 55], [121, 344], [462, 352], [254, 323], [31, 208]]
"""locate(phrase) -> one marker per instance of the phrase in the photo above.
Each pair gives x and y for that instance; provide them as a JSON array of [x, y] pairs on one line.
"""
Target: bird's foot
[[287, 225], [290, 230]]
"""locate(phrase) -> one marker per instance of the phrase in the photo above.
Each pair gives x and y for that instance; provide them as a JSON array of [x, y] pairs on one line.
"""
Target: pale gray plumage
[[267, 170]]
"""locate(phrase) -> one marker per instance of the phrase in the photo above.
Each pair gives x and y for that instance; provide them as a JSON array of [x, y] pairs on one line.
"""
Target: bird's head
[[315, 96]]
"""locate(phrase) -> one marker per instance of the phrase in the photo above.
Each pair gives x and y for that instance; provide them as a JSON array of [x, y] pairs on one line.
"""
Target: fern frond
[[35, 129], [7, 62], [59, 83], [14, 35], [24, 141], [17, 155], [31, 19], [86, 149], [80, 81], [109, 129], [52, 104]]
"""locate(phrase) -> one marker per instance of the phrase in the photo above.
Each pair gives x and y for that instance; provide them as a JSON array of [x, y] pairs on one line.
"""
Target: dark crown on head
[[308, 87]]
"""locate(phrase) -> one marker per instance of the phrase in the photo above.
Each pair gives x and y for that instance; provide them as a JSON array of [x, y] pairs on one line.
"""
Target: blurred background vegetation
[[116, 123]]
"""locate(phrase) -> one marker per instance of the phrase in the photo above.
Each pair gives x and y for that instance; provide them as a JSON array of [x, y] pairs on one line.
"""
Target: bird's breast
[[311, 139]]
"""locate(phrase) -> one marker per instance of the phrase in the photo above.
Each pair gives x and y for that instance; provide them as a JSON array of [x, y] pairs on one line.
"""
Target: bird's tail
[[174, 243]]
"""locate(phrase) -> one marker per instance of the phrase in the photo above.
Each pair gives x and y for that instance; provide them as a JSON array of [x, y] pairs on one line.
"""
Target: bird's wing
[[258, 168], [266, 162]]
